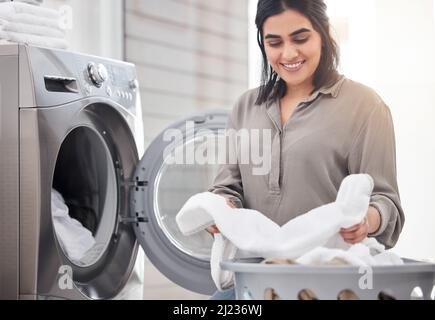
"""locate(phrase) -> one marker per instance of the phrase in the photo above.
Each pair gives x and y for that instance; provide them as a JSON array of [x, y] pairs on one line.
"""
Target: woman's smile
[[293, 67], [293, 48]]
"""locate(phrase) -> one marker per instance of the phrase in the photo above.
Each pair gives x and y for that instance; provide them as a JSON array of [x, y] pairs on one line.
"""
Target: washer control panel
[[61, 77], [97, 73], [112, 80]]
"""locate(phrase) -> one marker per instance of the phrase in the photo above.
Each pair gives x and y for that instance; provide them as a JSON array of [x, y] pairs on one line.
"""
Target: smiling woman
[[282, 54], [289, 42], [324, 127]]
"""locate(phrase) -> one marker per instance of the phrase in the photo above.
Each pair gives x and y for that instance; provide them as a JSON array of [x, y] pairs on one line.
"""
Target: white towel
[[31, 29], [251, 231], [34, 40], [11, 8], [222, 250], [32, 19], [74, 239], [34, 2], [360, 254], [263, 237]]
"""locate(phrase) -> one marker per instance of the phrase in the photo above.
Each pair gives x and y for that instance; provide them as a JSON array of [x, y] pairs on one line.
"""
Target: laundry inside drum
[[84, 197]]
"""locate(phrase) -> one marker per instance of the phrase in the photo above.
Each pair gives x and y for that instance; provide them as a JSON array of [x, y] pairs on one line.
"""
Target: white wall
[[191, 56], [390, 46], [405, 78], [255, 60]]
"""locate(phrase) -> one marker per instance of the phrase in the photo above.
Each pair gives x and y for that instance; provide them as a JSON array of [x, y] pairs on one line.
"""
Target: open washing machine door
[[180, 162]]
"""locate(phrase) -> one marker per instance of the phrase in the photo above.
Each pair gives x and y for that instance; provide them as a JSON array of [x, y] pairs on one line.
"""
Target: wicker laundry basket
[[256, 281]]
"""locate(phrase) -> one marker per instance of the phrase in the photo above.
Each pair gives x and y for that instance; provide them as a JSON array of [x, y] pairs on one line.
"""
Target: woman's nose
[[290, 52]]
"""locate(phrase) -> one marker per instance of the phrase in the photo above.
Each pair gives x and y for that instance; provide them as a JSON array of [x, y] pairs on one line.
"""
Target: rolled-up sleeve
[[373, 151], [228, 181]]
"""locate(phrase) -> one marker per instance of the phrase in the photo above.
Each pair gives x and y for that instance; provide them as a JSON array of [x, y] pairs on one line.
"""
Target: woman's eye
[[300, 41], [274, 44]]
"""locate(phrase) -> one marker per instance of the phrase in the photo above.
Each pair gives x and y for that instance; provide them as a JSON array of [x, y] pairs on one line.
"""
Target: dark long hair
[[272, 86]]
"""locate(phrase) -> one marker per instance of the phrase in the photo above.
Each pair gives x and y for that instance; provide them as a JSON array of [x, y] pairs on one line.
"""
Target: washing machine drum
[[84, 194], [103, 201]]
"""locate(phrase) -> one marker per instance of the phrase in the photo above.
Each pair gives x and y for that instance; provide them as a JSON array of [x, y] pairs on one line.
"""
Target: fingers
[[230, 204], [355, 234], [355, 227], [351, 229], [213, 229], [358, 239], [362, 231], [354, 238]]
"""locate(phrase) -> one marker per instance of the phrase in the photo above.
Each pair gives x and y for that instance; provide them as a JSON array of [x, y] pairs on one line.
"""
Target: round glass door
[[171, 171], [187, 170]]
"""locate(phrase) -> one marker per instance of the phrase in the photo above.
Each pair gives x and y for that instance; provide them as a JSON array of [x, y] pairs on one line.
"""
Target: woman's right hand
[[213, 229]]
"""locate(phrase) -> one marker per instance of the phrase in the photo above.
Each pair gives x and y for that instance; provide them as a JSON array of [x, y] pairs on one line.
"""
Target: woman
[[324, 127]]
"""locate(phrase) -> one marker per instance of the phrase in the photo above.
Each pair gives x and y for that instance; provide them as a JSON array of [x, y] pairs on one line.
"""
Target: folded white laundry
[[32, 19], [31, 29], [74, 239], [262, 237], [34, 2], [11, 8], [34, 40]]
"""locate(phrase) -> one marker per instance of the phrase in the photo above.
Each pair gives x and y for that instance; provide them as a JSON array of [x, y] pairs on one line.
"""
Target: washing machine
[[72, 123]]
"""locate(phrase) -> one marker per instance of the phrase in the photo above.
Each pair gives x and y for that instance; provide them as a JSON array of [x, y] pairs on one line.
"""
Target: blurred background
[[197, 55]]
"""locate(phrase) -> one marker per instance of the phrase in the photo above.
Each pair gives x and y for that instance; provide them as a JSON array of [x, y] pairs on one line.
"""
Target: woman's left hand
[[359, 232]]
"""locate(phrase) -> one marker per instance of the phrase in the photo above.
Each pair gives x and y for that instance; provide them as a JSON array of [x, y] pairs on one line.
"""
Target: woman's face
[[293, 48]]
